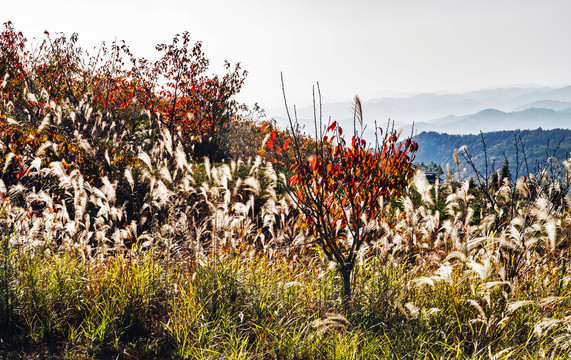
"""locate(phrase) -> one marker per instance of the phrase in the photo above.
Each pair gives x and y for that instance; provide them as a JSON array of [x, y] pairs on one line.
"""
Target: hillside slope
[[538, 145]]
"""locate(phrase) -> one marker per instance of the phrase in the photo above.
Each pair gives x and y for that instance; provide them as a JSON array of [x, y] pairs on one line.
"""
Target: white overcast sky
[[366, 47]]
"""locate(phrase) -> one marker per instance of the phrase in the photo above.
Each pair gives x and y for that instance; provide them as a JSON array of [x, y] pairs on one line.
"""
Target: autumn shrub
[[342, 188], [96, 113], [71, 120]]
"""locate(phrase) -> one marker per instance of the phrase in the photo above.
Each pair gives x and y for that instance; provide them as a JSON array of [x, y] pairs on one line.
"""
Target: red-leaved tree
[[340, 189]]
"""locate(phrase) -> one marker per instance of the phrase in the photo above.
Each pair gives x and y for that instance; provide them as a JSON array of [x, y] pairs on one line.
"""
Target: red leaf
[[273, 135], [263, 127], [279, 149], [286, 144], [332, 126], [270, 144]]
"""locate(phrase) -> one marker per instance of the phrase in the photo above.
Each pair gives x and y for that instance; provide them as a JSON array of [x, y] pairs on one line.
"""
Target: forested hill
[[538, 145]]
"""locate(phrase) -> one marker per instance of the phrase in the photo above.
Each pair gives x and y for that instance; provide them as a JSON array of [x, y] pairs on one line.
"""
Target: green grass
[[139, 305]]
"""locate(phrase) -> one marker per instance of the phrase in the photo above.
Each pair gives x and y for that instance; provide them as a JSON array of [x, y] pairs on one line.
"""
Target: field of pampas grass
[[224, 275], [119, 239]]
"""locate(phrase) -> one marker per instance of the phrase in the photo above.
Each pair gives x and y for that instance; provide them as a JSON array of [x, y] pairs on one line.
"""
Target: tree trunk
[[346, 274]]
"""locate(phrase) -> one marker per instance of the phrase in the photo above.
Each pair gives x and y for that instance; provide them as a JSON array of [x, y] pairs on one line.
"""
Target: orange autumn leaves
[[273, 139], [339, 188], [56, 93]]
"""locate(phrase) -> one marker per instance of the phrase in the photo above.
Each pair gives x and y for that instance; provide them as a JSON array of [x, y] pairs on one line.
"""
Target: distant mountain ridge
[[468, 113], [495, 120]]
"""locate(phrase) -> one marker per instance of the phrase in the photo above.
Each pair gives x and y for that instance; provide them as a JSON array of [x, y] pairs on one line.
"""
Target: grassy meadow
[[430, 286]]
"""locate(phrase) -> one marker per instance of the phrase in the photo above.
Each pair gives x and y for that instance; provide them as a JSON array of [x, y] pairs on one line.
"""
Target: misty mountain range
[[469, 113]]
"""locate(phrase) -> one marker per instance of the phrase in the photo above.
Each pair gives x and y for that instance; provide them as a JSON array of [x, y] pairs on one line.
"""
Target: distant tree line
[[525, 151]]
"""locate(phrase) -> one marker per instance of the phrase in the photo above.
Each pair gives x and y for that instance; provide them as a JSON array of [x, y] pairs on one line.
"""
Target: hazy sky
[[365, 47]]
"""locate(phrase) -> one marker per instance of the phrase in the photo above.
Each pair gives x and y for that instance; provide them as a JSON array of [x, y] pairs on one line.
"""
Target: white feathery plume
[[84, 144], [423, 280], [551, 230], [96, 194], [207, 166], [107, 157], [444, 272], [221, 175], [58, 112], [32, 98], [80, 205], [109, 190], [180, 157], [488, 222], [8, 161], [44, 123], [215, 177], [465, 191], [160, 194], [167, 140], [41, 197], [144, 157], [16, 189], [265, 140], [563, 340], [88, 112], [12, 121], [481, 269], [413, 310], [253, 185], [43, 147], [5, 80], [129, 177], [456, 255], [551, 301], [422, 186], [515, 305], [490, 285], [541, 208], [116, 213], [431, 222], [427, 314], [545, 325], [36, 164], [166, 175], [45, 97], [227, 198], [57, 169], [237, 187], [71, 228], [478, 307], [270, 172], [476, 242], [256, 166]]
